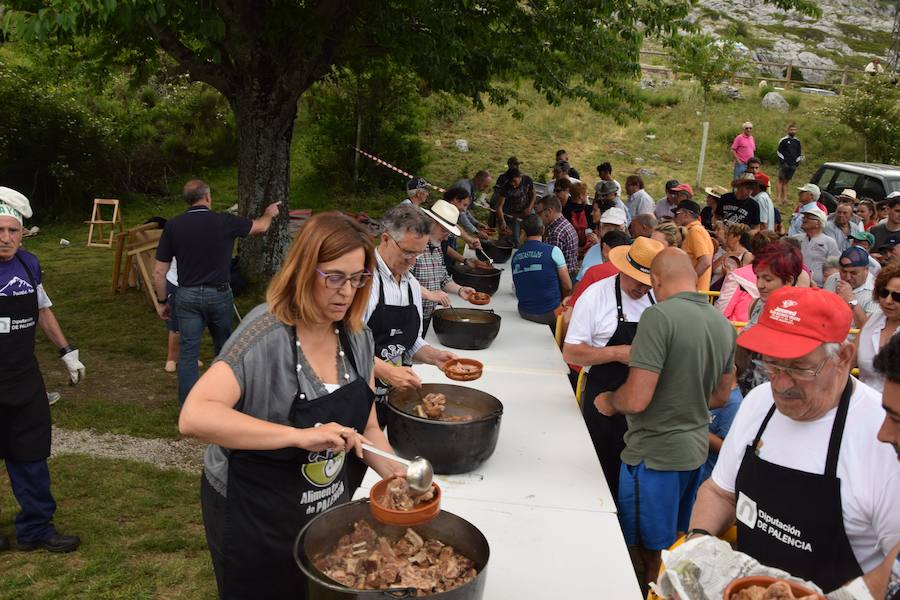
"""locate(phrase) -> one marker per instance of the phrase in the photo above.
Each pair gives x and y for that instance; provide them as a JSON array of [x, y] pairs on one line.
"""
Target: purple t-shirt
[[14, 279], [744, 146]]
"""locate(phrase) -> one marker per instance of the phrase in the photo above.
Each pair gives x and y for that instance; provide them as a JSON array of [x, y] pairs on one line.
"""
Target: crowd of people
[[717, 343], [683, 312]]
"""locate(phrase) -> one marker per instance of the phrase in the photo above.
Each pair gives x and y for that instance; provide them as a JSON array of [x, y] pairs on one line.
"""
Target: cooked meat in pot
[[364, 560], [433, 406]]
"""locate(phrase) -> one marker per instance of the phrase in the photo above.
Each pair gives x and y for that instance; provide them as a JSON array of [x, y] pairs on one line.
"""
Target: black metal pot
[[323, 532], [465, 328], [498, 251], [483, 280], [451, 446]]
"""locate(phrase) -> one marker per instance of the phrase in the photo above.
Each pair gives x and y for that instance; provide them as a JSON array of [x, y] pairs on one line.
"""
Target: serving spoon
[[419, 472]]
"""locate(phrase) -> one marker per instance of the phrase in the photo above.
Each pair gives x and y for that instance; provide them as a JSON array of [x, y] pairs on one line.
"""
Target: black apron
[[395, 330], [792, 519], [608, 433], [272, 494], [24, 410]]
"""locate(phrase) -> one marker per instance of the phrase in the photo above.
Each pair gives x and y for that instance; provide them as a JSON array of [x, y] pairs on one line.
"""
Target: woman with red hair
[[776, 265]]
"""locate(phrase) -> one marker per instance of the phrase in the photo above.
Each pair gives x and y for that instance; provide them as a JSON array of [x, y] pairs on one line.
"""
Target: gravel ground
[[184, 455]]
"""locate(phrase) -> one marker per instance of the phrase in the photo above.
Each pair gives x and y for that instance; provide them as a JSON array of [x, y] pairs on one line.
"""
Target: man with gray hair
[[814, 244], [394, 312], [202, 242], [801, 471]]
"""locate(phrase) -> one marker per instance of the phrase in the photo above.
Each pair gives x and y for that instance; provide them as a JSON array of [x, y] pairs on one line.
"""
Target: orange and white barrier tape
[[388, 165]]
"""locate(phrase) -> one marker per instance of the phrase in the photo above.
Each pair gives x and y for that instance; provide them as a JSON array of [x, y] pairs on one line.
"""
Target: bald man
[[682, 360]]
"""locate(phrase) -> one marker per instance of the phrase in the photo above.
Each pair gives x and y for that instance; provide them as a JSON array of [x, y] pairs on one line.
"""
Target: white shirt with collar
[[595, 317], [396, 294], [868, 470]]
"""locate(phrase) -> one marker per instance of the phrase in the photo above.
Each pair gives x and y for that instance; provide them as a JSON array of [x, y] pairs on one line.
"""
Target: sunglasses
[[895, 296]]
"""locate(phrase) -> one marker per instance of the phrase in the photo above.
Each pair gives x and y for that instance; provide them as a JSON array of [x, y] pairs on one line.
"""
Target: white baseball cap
[[812, 189], [613, 216]]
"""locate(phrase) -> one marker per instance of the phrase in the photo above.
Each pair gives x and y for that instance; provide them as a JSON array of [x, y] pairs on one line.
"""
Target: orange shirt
[[697, 243]]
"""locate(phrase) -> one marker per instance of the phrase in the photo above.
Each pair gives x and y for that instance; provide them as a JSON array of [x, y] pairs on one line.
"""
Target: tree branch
[[209, 72]]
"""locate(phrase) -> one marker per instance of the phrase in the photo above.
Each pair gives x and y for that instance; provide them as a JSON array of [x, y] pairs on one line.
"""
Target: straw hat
[[445, 214], [635, 260]]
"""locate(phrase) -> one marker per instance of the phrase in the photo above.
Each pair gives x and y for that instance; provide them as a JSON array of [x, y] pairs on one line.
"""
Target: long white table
[[544, 456], [521, 346], [541, 500]]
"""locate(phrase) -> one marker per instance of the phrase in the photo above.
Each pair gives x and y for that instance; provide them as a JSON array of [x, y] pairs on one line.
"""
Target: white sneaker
[[170, 366], [53, 398]]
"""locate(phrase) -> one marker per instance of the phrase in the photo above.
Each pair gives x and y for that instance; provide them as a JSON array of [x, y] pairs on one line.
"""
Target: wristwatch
[[854, 303], [163, 301]]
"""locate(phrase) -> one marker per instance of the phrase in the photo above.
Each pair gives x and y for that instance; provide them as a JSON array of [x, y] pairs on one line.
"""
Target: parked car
[[868, 179]]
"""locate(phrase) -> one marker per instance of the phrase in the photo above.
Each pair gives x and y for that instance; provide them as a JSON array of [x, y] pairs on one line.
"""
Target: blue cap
[[854, 256]]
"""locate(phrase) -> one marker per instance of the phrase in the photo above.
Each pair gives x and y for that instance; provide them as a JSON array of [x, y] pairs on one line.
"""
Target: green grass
[[141, 530]]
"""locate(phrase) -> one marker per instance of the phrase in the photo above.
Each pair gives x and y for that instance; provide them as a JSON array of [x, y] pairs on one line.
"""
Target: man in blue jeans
[[202, 241]]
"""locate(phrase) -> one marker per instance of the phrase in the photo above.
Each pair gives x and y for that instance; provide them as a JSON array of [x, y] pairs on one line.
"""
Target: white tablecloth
[[520, 346]]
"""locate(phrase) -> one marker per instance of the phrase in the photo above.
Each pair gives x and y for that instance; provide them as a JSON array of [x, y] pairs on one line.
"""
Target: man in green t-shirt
[[682, 360]]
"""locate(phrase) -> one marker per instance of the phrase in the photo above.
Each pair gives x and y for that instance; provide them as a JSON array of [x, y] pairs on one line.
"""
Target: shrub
[[391, 114], [793, 100], [765, 90], [658, 99], [68, 136]]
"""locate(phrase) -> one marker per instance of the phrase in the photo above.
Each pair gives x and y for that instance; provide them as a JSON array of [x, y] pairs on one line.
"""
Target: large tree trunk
[[265, 122]]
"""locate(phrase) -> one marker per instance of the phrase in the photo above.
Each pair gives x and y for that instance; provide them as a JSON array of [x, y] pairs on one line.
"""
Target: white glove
[[74, 366]]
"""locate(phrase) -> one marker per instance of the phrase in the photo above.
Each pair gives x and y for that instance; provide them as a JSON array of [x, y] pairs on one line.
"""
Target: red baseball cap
[[683, 187], [795, 321], [763, 179]]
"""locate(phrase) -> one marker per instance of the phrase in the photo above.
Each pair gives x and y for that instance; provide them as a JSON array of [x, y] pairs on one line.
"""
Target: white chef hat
[[13, 204]]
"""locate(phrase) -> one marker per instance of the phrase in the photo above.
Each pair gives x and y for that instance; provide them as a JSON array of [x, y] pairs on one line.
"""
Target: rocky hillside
[[848, 34]]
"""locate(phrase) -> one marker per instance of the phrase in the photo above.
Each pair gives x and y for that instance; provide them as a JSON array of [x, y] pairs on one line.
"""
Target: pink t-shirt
[[744, 146]]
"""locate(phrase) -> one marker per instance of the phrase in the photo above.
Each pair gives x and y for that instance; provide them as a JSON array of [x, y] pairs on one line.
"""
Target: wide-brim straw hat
[[445, 214], [635, 260]]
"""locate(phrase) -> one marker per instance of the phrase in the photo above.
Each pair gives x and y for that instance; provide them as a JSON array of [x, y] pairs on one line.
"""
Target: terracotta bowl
[[402, 518], [466, 376], [479, 298], [745, 582]]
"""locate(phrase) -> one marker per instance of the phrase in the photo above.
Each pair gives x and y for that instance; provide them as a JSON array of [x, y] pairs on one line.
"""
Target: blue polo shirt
[[536, 277]]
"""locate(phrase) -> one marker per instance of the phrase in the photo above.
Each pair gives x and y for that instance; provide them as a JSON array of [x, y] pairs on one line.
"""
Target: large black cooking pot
[[483, 280], [499, 251], [451, 446], [465, 328], [322, 534]]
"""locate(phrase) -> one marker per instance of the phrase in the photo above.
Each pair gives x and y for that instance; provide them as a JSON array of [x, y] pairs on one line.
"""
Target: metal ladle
[[419, 472]]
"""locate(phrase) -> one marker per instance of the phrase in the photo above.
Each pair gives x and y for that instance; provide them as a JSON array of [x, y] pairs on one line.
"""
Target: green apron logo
[[322, 468]]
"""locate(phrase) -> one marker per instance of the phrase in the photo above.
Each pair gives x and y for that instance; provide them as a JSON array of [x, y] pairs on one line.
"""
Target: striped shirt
[[396, 294]]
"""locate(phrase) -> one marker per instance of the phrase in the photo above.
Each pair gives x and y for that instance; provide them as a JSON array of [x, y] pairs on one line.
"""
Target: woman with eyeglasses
[[881, 326], [284, 408]]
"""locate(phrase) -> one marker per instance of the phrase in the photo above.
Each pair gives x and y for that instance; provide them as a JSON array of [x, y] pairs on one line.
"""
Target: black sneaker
[[55, 543], [4, 543]]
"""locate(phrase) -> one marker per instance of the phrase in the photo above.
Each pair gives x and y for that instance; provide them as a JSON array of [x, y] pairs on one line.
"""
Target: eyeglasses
[[773, 370], [406, 253], [337, 280], [895, 296]]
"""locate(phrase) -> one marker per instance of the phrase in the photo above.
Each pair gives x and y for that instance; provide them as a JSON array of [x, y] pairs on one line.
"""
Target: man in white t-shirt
[[812, 490], [599, 337]]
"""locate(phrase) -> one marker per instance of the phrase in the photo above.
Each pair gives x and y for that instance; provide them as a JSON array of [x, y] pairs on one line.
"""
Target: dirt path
[[184, 455]]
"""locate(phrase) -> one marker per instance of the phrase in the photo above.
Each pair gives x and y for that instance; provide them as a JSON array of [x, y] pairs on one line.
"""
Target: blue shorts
[[655, 505]]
